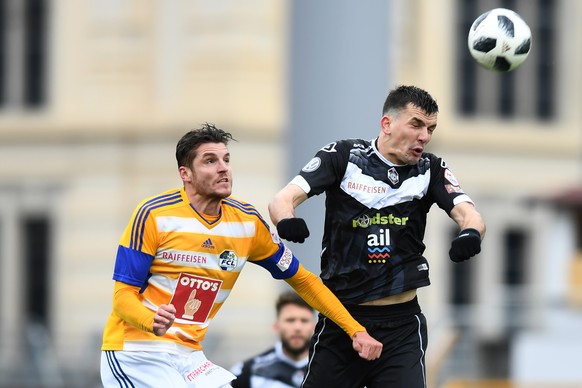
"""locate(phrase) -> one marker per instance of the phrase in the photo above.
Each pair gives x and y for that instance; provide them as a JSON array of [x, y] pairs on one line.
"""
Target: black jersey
[[375, 217], [270, 369]]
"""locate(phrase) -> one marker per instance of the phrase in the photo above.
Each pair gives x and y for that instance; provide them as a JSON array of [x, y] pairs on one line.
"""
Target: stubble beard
[[294, 351]]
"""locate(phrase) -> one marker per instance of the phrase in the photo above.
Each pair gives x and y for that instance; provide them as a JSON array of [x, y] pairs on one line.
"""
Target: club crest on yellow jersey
[[228, 260]]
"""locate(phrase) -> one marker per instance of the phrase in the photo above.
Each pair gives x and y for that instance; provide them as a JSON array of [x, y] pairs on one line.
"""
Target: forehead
[[414, 112], [293, 310], [212, 149]]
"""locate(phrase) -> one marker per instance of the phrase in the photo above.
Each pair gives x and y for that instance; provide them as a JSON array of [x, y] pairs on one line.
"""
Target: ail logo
[[379, 247]]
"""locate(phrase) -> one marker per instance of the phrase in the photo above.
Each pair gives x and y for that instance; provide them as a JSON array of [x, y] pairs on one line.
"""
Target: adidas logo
[[208, 244]]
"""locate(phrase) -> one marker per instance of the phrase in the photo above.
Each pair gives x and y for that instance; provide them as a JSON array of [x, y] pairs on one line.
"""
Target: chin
[[224, 194]]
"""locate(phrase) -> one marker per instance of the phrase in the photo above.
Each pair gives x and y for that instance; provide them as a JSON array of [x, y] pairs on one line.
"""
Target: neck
[[385, 150], [206, 205], [296, 356]]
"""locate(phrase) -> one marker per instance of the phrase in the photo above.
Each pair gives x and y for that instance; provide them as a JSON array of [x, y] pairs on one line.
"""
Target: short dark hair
[[189, 143], [290, 297], [403, 95]]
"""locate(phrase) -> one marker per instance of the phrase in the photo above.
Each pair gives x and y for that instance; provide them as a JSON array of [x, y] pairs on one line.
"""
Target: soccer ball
[[499, 40]]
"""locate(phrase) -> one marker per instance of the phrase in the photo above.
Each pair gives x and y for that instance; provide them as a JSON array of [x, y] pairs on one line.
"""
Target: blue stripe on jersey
[[143, 212], [245, 208], [270, 264], [131, 266]]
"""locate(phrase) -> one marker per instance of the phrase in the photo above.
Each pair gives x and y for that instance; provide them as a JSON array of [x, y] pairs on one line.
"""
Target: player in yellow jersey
[[177, 261]]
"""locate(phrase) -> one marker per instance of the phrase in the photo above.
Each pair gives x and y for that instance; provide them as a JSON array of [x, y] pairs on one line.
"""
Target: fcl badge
[[194, 297]]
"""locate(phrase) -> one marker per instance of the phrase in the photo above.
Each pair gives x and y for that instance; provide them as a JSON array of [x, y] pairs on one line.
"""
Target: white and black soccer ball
[[499, 40]]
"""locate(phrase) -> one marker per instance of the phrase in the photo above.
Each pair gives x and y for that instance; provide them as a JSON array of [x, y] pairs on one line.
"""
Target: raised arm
[[285, 201], [466, 216], [282, 213], [468, 242]]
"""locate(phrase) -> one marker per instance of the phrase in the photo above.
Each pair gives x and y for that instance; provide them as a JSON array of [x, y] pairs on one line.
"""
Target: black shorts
[[402, 330]]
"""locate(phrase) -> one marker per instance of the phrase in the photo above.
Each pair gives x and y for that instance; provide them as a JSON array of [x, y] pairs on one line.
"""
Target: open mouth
[[418, 150]]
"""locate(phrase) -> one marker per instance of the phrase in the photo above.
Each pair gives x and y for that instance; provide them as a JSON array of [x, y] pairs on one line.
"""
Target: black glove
[[293, 229], [466, 245]]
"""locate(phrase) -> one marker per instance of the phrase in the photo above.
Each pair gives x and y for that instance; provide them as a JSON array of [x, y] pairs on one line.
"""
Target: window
[[515, 243], [36, 256], [23, 57]]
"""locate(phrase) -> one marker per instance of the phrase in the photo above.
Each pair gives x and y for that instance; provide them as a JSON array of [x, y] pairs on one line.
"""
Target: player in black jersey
[[378, 194], [284, 365]]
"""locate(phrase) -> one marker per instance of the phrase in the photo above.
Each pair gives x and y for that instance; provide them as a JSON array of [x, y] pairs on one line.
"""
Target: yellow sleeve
[[127, 305], [314, 292]]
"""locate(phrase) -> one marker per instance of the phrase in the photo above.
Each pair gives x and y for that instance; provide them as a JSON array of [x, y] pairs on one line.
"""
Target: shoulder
[[160, 201], [338, 153], [237, 205], [241, 209], [429, 160], [259, 358], [345, 145]]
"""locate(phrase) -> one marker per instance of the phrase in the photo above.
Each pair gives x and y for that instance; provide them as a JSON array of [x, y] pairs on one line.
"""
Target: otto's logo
[[194, 297], [365, 220], [379, 246], [227, 260], [198, 283]]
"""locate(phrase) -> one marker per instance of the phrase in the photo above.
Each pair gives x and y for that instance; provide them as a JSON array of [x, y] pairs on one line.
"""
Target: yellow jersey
[[176, 255]]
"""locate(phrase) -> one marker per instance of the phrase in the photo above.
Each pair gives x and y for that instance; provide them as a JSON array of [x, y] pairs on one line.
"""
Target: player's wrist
[[470, 231], [358, 332]]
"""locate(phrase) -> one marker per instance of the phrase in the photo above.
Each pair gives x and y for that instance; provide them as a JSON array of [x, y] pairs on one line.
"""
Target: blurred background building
[[94, 95]]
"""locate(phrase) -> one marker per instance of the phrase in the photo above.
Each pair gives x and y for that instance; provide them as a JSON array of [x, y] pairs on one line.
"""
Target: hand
[[164, 319], [293, 229], [366, 346], [466, 245]]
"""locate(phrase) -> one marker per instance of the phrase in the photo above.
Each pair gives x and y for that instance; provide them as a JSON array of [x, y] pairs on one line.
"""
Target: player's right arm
[[282, 213], [127, 305], [135, 254], [324, 170], [285, 201]]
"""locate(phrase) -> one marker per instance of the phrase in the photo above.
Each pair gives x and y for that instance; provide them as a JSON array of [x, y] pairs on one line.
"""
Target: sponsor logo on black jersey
[[379, 246], [365, 221], [364, 188]]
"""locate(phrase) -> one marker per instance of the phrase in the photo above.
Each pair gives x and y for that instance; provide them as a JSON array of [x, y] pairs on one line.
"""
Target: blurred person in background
[[177, 261], [378, 195], [284, 365]]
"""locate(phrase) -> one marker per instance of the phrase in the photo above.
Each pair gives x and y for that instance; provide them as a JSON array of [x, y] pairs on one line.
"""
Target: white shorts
[[157, 369]]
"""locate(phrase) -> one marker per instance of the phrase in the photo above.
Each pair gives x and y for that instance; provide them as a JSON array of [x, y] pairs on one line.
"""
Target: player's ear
[[184, 173], [385, 122]]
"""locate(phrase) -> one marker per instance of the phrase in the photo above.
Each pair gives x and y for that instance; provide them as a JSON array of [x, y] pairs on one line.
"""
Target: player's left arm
[[276, 258], [318, 296], [466, 216], [468, 242]]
